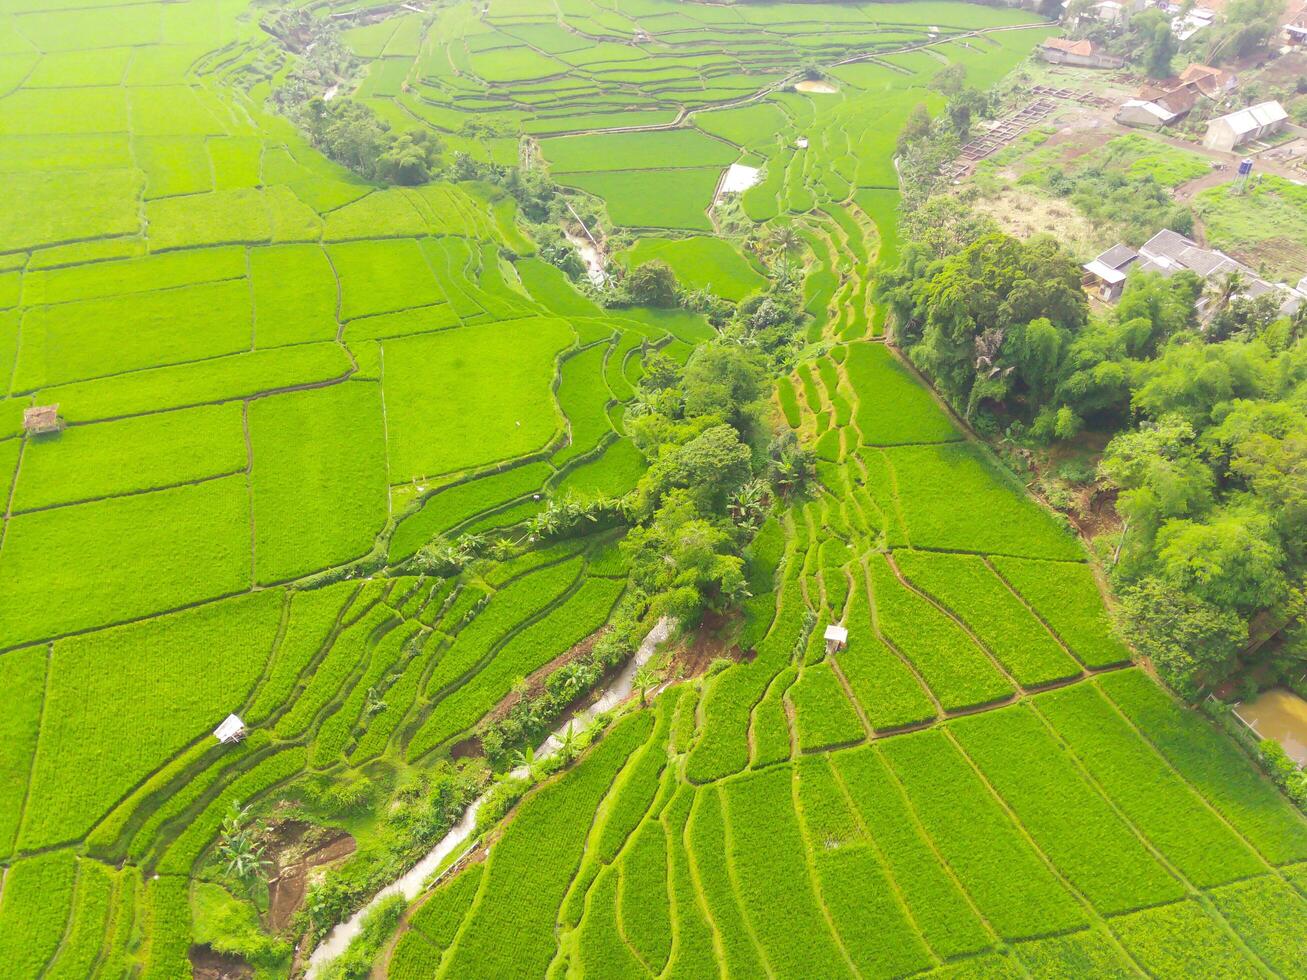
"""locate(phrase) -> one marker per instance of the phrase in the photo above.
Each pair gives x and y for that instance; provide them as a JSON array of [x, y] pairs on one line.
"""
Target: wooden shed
[[41, 419]]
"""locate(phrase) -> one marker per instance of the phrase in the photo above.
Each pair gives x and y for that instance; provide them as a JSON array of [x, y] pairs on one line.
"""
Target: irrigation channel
[[410, 884]]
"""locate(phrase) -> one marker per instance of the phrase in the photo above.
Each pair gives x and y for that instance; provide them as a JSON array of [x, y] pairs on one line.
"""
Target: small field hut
[[41, 419], [837, 638], [230, 731]]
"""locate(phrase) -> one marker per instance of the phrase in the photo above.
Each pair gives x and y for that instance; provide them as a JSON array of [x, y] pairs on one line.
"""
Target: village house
[[1169, 252], [1253, 123], [1295, 32], [1161, 103], [1081, 54]]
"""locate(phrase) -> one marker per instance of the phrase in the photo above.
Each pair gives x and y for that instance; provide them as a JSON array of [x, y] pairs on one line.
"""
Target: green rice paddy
[[279, 382]]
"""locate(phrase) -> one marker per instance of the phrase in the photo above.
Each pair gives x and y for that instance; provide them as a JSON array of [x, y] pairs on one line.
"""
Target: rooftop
[[1254, 117], [41, 418]]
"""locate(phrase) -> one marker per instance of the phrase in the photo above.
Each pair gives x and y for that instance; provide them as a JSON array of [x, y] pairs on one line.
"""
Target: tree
[[916, 128], [1232, 560], [644, 680], [527, 759], [569, 743], [951, 80], [1188, 640], [241, 856], [653, 284], [1160, 474]]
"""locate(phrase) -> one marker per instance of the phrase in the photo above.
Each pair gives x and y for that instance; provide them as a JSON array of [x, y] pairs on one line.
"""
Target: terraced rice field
[[279, 382]]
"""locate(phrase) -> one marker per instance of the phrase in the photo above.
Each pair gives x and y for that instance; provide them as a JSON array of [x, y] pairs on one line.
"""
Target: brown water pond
[[1280, 714]]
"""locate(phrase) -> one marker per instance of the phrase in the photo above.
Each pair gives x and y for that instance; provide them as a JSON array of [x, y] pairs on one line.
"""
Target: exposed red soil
[[208, 965], [296, 848], [713, 638]]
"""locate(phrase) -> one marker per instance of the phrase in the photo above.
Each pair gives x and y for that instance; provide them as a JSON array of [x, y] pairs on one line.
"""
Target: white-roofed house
[[1105, 275], [1143, 114], [837, 638], [231, 730], [1253, 123]]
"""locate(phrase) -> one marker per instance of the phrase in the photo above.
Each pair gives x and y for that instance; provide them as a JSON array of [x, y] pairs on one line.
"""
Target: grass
[[823, 714], [613, 475], [765, 844], [1213, 765], [528, 870], [893, 407], [951, 486], [1180, 940], [294, 295], [677, 148], [674, 199], [1010, 885], [38, 897], [217, 379], [944, 917], [73, 568], [1270, 216], [1066, 597], [68, 342], [966, 586], [329, 440], [461, 502], [505, 407], [1065, 816], [957, 671], [83, 763], [23, 673], [1150, 794], [167, 449], [700, 263], [176, 267]]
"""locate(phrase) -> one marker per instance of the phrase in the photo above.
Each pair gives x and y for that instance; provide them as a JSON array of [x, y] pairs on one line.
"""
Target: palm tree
[[785, 271], [373, 703], [643, 680], [569, 743], [748, 504], [526, 759], [784, 238]]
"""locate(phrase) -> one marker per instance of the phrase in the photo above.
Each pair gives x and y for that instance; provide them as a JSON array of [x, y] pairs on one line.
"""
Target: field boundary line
[[728, 841], [696, 883], [71, 920], [924, 836], [873, 846], [814, 879], [1018, 690], [1139, 831], [940, 713], [1048, 628], [1183, 779], [21, 826], [1024, 833], [139, 492]]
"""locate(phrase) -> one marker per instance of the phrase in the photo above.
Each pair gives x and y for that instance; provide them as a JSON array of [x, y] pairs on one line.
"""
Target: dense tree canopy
[[1205, 409]]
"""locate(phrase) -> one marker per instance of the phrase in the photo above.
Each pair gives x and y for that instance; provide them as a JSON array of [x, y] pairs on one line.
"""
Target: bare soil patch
[[208, 965], [1022, 213], [713, 638], [296, 848]]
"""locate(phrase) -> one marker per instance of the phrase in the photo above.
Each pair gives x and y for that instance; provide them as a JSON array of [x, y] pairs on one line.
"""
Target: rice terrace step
[[375, 377]]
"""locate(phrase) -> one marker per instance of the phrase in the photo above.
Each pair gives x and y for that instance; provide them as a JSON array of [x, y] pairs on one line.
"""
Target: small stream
[[591, 256], [410, 883]]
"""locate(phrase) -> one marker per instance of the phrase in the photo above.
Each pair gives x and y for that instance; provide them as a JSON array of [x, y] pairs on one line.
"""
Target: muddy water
[[1282, 715], [815, 87]]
